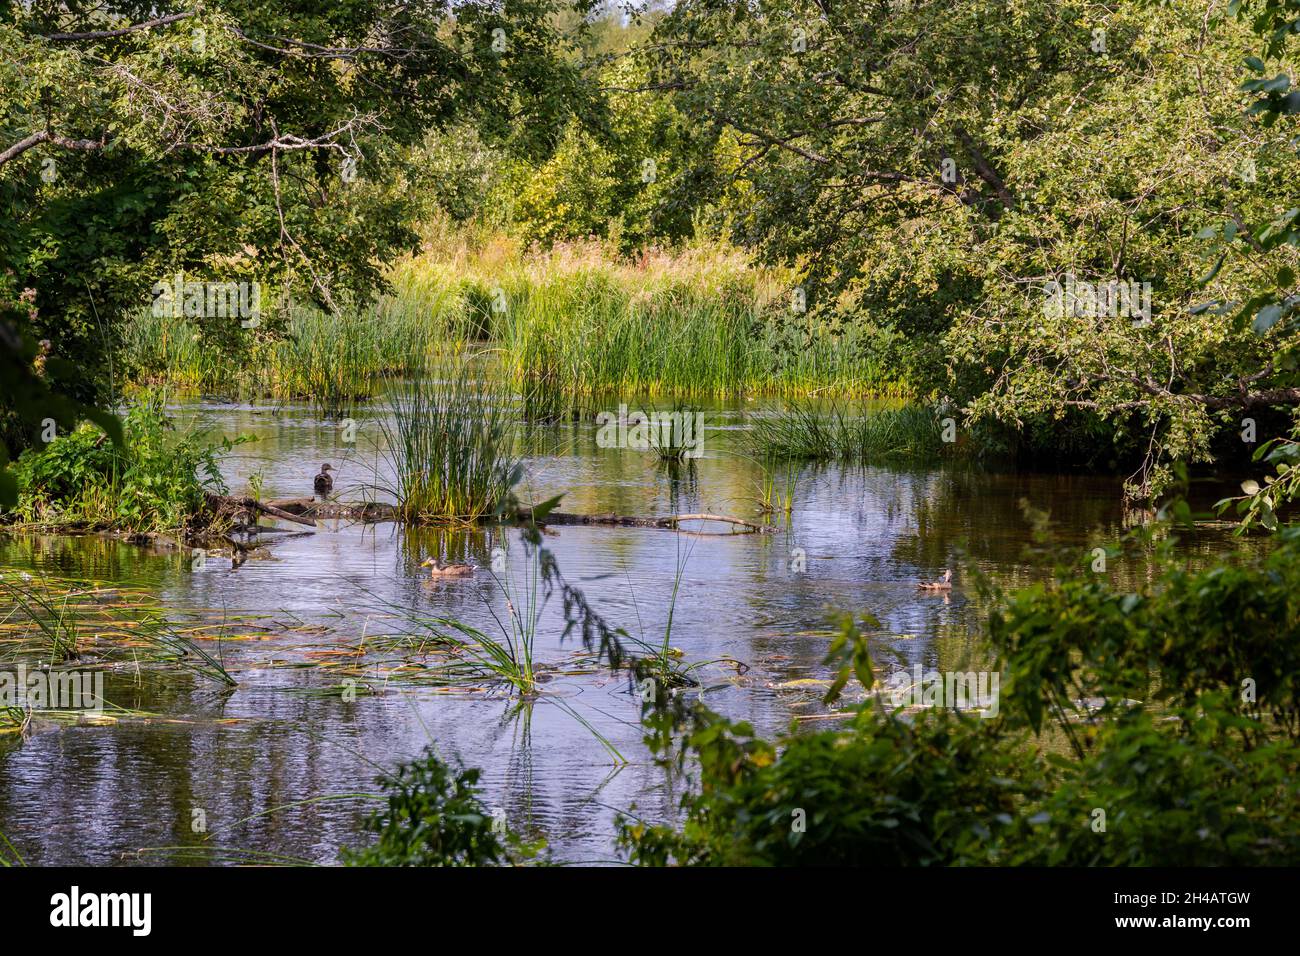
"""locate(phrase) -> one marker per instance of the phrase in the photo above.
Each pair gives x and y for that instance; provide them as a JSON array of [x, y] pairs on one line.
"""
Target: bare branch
[[786, 143], [45, 136], [123, 31], [286, 142], [984, 169]]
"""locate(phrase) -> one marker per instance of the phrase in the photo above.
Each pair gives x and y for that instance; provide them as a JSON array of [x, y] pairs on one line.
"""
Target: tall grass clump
[[808, 432], [332, 361], [162, 350], [448, 445], [574, 320]]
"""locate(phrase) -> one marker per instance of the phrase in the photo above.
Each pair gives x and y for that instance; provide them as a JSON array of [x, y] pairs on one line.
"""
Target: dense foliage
[[1176, 707], [935, 165], [927, 169], [156, 479], [238, 141]]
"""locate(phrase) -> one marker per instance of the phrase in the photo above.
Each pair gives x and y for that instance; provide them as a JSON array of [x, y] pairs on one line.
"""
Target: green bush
[[156, 481], [1155, 727], [434, 817], [1230, 634], [1169, 798], [886, 792]]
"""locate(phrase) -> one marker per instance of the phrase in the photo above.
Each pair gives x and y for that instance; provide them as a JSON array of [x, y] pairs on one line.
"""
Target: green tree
[[934, 166], [233, 140]]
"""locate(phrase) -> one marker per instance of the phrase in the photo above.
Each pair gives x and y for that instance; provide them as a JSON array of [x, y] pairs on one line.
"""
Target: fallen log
[[291, 504], [231, 505], [305, 510], [632, 521], [311, 508]]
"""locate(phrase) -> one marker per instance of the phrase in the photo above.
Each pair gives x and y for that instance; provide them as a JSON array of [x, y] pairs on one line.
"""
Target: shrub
[[1179, 765], [156, 481], [887, 792], [434, 817]]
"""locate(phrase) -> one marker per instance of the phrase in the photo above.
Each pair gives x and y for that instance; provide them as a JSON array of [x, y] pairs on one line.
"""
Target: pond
[[281, 764]]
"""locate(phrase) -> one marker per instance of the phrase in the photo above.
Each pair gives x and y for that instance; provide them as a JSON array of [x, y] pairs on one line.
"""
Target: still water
[[243, 760]]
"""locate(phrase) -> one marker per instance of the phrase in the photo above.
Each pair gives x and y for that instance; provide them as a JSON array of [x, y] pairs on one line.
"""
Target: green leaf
[[1214, 271], [1279, 84], [539, 512], [1267, 317]]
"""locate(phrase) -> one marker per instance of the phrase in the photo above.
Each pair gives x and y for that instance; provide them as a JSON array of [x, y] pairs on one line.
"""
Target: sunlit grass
[[808, 432], [572, 321], [700, 321], [334, 362]]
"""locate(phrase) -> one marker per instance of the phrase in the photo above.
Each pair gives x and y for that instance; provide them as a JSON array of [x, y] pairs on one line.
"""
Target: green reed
[[448, 445], [806, 431], [573, 321], [332, 361]]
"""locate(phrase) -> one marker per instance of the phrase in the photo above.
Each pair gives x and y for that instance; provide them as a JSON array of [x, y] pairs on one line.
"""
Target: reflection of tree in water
[[91, 557], [964, 515]]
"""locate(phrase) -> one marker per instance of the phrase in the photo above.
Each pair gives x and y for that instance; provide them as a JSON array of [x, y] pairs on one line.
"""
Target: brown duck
[[943, 584], [324, 482], [439, 570]]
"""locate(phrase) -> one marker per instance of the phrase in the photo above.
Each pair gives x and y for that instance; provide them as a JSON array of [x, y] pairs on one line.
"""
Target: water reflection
[[865, 536]]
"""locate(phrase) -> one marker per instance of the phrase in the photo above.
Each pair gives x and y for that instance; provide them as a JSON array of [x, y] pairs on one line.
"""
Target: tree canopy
[[235, 141]]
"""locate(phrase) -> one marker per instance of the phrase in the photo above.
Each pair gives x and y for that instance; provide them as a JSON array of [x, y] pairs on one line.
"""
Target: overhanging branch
[[45, 136], [122, 31]]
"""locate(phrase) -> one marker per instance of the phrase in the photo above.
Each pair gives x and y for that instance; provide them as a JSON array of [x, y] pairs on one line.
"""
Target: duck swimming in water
[[324, 482], [943, 584], [439, 570]]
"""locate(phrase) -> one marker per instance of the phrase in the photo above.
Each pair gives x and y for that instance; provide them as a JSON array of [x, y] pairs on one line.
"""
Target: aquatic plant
[[702, 321], [9, 855], [807, 431], [60, 620], [448, 445], [333, 361], [771, 498], [663, 665], [659, 661], [574, 321]]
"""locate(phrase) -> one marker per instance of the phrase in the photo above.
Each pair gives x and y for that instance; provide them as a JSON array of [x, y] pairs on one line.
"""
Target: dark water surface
[[131, 791]]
